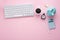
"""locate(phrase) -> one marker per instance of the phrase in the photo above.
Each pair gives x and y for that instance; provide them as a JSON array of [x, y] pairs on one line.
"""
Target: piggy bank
[[51, 11]]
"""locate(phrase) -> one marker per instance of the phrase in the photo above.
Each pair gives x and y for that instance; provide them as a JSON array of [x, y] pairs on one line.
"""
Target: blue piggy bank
[[51, 11]]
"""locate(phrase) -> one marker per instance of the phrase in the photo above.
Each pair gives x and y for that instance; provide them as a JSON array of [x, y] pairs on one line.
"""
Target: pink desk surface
[[29, 28]]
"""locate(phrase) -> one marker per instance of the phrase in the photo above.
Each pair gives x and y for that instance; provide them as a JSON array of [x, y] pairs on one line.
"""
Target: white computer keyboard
[[18, 11]]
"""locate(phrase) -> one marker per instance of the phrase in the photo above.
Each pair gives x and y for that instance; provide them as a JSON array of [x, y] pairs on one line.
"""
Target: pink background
[[29, 28]]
